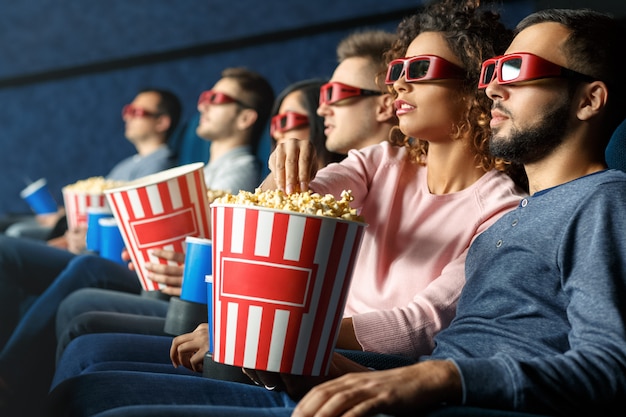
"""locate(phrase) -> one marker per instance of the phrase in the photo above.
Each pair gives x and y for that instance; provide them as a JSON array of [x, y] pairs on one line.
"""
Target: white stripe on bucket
[[277, 344], [264, 234], [173, 188], [238, 232], [253, 330], [231, 332], [154, 199], [293, 240], [135, 204]]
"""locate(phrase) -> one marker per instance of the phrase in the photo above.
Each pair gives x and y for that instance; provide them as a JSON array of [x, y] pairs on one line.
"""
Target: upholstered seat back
[[616, 149]]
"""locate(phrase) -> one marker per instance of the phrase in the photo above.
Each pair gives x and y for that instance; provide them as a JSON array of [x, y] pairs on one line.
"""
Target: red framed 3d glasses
[[333, 92], [131, 110], [215, 97], [289, 120], [523, 66], [423, 68]]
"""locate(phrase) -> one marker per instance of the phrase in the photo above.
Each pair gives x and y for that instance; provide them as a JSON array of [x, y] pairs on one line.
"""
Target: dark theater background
[[68, 66]]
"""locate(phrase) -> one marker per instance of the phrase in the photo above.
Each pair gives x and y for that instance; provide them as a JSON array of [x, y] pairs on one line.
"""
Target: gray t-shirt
[[138, 166], [238, 169]]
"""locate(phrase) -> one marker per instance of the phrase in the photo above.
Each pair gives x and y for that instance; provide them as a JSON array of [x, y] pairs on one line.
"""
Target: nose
[[323, 110], [202, 106], [494, 90], [400, 84]]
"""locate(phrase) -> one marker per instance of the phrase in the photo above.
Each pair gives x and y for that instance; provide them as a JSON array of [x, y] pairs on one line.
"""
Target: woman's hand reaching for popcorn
[[293, 165]]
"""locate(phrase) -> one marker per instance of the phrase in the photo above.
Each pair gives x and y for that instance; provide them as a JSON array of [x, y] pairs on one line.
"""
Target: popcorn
[[305, 202], [213, 194], [94, 185]]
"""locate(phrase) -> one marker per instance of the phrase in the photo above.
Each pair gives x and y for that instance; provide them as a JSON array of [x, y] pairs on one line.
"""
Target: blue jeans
[[222, 411], [27, 362], [96, 310], [92, 393], [107, 394], [27, 268], [96, 370], [151, 353], [114, 351], [195, 411]]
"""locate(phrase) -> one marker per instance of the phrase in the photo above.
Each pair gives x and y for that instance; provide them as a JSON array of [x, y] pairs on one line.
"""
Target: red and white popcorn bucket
[[280, 284], [76, 205], [158, 212]]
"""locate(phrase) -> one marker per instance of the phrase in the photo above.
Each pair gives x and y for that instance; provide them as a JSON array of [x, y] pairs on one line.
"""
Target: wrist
[[445, 381]]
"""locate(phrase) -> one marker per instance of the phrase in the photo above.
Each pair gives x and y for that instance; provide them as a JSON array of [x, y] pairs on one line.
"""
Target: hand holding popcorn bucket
[[158, 212], [280, 284]]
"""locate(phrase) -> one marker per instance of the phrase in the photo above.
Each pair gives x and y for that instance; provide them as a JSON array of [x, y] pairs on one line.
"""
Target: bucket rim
[[296, 213], [157, 178]]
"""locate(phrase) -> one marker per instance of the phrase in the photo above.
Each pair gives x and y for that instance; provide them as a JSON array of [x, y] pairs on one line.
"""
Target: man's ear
[[246, 118], [163, 123], [593, 97], [386, 109]]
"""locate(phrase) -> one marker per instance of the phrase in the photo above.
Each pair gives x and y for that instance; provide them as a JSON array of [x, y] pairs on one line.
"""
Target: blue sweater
[[541, 323]]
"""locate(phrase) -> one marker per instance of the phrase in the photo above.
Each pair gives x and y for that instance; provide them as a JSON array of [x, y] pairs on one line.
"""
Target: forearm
[[347, 339], [402, 390]]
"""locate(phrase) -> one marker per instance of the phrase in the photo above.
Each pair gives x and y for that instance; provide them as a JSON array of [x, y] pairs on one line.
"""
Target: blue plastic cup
[[198, 264], [38, 197], [94, 214], [111, 241]]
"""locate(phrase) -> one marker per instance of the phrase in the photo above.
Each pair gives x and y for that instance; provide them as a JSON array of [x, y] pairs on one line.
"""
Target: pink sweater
[[410, 269]]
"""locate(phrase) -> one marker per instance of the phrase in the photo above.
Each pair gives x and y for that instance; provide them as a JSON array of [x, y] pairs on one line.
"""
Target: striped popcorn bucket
[[76, 205], [280, 281], [158, 212]]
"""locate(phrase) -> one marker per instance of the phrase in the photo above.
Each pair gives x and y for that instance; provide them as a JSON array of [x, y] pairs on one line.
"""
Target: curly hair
[[473, 35]]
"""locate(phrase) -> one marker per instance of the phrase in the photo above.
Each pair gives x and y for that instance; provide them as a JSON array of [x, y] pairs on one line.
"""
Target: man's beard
[[533, 144]]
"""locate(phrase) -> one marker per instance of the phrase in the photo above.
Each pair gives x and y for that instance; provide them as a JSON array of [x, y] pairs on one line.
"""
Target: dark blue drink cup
[[111, 241], [198, 264], [39, 198], [186, 312], [94, 214]]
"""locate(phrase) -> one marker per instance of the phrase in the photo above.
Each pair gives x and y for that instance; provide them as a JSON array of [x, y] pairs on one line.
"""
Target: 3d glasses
[[289, 120], [215, 97], [515, 68], [333, 92], [130, 110], [423, 68]]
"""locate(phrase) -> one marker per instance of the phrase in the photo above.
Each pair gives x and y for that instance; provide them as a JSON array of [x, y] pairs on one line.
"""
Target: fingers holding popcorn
[[293, 164]]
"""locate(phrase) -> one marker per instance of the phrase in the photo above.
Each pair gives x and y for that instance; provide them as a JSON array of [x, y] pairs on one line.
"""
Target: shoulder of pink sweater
[[498, 193], [380, 152]]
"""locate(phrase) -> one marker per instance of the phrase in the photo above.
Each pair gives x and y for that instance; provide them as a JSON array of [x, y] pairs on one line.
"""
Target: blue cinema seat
[[615, 153], [187, 146]]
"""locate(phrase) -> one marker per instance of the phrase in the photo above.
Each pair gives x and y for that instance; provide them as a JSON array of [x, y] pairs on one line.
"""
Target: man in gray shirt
[[149, 120], [233, 115]]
